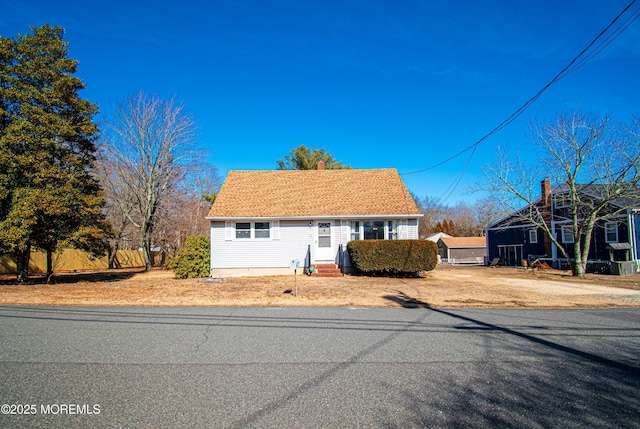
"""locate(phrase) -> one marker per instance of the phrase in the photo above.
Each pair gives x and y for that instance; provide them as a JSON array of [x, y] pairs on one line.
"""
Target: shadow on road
[[552, 383]]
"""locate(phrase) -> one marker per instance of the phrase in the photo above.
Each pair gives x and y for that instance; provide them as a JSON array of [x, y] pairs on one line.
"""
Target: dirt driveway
[[446, 286]]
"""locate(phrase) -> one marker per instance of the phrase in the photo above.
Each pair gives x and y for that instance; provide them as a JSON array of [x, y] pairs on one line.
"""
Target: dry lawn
[[446, 286]]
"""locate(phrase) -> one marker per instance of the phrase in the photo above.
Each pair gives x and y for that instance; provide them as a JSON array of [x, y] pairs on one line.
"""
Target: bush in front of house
[[193, 260], [393, 257]]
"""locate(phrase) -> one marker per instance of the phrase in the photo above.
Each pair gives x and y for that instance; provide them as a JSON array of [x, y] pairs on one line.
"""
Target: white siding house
[[263, 220]]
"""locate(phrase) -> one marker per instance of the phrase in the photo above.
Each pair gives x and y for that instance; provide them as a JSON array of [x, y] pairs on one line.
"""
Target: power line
[[578, 61]]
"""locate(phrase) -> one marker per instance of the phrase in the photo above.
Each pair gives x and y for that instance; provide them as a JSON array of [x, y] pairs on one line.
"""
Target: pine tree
[[47, 146], [303, 158]]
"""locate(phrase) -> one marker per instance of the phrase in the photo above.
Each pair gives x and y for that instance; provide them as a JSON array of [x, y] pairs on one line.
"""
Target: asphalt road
[[77, 367]]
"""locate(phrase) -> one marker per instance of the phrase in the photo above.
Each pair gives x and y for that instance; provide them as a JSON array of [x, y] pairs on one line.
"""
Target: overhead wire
[[578, 61]]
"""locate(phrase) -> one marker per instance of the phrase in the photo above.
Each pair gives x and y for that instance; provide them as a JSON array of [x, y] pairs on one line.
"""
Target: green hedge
[[393, 257], [193, 260]]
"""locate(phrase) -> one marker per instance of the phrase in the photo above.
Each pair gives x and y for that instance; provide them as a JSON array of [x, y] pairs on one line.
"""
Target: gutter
[[344, 217]]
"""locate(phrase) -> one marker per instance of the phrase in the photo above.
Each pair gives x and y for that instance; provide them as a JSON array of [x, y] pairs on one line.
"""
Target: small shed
[[437, 236], [462, 250]]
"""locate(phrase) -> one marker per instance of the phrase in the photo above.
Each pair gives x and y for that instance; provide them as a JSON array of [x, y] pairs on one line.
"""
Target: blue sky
[[379, 84]]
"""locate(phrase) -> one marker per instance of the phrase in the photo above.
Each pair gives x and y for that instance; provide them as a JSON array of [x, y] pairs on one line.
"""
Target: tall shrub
[[193, 260], [393, 257]]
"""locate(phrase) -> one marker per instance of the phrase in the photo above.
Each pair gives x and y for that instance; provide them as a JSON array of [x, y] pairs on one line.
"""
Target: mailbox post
[[294, 265]]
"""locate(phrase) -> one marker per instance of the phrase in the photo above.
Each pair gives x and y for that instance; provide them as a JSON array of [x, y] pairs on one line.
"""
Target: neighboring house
[[261, 221], [437, 236], [462, 250], [515, 241]]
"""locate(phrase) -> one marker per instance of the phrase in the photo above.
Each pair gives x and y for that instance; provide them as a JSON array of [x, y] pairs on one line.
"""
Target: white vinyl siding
[[288, 240]]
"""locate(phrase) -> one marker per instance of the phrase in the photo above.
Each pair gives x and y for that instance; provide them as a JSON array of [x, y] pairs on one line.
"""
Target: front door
[[324, 246]]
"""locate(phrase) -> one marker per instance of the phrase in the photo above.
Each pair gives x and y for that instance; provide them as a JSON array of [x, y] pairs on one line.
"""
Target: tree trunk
[[49, 266], [22, 264], [146, 245], [112, 253], [579, 266]]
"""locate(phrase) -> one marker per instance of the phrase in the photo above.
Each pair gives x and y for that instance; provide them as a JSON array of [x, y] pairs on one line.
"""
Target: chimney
[[545, 191], [320, 165]]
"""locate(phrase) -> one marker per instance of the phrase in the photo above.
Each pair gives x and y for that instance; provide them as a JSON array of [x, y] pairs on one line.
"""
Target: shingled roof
[[452, 242], [313, 193]]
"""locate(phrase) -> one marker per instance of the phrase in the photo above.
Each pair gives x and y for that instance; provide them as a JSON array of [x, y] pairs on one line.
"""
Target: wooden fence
[[69, 260]]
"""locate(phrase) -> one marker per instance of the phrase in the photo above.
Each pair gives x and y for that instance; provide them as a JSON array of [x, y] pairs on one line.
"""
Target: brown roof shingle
[[464, 241], [308, 193]]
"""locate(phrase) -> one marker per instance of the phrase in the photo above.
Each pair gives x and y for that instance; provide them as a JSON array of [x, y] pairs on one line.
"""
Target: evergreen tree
[[303, 158], [47, 146]]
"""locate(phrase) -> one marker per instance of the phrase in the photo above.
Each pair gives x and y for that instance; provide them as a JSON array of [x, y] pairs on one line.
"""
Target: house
[[262, 221], [437, 236], [462, 250], [618, 239]]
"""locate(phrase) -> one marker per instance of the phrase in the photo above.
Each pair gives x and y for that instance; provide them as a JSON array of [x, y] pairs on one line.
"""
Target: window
[[355, 230], [243, 230], [533, 236], [324, 234], [611, 232], [393, 230], [567, 234], [373, 230], [248, 230], [562, 200], [262, 230]]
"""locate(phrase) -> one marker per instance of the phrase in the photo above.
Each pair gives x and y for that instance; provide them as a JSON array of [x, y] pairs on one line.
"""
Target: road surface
[[241, 367]]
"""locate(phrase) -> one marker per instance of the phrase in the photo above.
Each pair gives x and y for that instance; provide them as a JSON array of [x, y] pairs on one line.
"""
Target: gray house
[[462, 250]]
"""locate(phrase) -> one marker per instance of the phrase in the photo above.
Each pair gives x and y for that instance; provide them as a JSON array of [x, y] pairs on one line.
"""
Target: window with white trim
[[567, 234], [562, 200], [243, 230], [374, 229], [533, 236], [252, 230], [261, 230], [355, 230], [611, 232], [392, 230]]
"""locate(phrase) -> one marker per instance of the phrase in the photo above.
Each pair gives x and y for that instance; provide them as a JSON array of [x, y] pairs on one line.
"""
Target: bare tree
[[434, 211], [590, 161], [182, 213], [487, 212], [462, 220], [149, 146]]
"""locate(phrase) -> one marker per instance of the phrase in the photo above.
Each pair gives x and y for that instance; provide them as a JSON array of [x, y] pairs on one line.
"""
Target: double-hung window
[[611, 232], [533, 236], [355, 230], [392, 228], [567, 234], [261, 230], [562, 200], [243, 230], [249, 230]]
